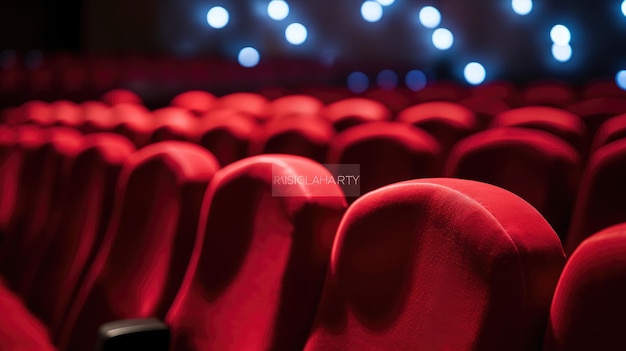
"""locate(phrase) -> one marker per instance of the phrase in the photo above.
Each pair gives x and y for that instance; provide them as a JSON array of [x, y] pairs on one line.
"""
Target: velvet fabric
[[349, 112]]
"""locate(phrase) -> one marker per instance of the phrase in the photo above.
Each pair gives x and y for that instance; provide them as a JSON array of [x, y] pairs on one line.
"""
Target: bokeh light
[[296, 33], [278, 10], [358, 82], [429, 17], [217, 17], [443, 39], [248, 57], [474, 73], [371, 11]]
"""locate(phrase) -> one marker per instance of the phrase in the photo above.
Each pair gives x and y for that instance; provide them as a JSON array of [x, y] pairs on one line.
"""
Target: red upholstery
[[306, 136], [66, 113], [612, 130], [41, 198], [36, 112], [195, 101], [485, 108], [147, 246], [121, 96], [448, 122], [438, 264], [174, 123], [293, 105], [98, 117], [9, 168], [396, 100], [496, 89], [588, 309], [539, 167], [561, 123], [602, 88], [226, 134], [596, 111], [134, 122], [89, 203], [388, 152], [252, 103], [600, 201], [554, 94], [262, 264], [349, 112]]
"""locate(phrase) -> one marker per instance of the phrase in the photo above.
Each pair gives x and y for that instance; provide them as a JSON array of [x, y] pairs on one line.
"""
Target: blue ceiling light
[[371, 11], [443, 39], [217, 17], [474, 73], [522, 7], [358, 82], [248, 57]]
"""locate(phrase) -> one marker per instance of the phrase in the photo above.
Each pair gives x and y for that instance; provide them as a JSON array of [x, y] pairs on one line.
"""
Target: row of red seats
[[93, 231]]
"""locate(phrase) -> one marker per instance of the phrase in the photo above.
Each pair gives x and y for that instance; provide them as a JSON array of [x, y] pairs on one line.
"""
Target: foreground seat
[[588, 309], [438, 264]]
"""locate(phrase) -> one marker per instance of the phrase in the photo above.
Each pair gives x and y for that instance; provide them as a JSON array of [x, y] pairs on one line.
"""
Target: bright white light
[[217, 17], [624, 7], [278, 10], [429, 17], [248, 57], [358, 82], [371, 11], [522, 7], [415, 80], [387, 79], [474, 73], [386, 2], [562, 53], [442, 39], [620, 79], [296, 33], [560, 35]]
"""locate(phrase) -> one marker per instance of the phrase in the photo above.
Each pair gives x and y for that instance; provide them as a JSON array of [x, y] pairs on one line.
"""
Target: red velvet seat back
[[539, 167], [612, 130], [134, 122], [98, 117], [561, 123], [89, 203], [306, 136], [293, 105], [9, 168], [148, 244], [600, 202], [588, 309], [485, 107], [250, 103], [387, 152], [349, 112], [448, 122], [66, 113], [438, 264], [555, 94], [261, 268], [195, 101], [596, 111], [121, 96], [173, 123], [227, 134]]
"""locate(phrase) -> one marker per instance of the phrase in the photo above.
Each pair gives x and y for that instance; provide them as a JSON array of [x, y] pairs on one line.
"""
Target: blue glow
[[358, 82], [443, 39], [429, 17], [620, 79], [296, 33], [386, 2], [560, 35], [474, 73], [387, 79], [624, 8], [415, 80], [371, 11], [522, 7], [248, 57], [217, 17], [278, 10], [562, 53]]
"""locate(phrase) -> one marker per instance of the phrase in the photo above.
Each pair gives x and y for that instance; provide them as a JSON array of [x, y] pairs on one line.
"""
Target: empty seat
[[9, 170], [396, 100], [448, 122], [555, 94], [612, 130], [148, 244], [349, 112], [387, 152], [561, 123], [600, 202], [197, 102], [77, 236], [35, 112], [134, 122], [251, 103], [539, 167], [438, 264], [588, 308], [293, 105], [66, 113], [306, 136], [596, 111], [174, 123], [226, 134], [121, 96], [97, 117], [262, 265], [485, 108]]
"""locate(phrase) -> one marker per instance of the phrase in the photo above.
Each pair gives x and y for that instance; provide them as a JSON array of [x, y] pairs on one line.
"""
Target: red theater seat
[[561, 123], [612, 130], [438, 264], [485, 108], [9, 170], [121, 96], [496, 90], [600, 202], [262, 264], [97, 117], [134, 122], [555, 94], [36, 112], [227, 134], [387, 152], [596, 111], [147, 247], [66, 113], [588, 309], [441, 91], [293, 105], [349, 112], [448, 122], [174, 123], [251, 103], [89, 204], [396, 100], [539, 167], [45, 161], [197, 102], [306, 136]]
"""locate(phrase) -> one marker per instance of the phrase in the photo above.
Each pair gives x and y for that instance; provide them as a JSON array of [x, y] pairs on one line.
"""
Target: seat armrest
[[134, 334]]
